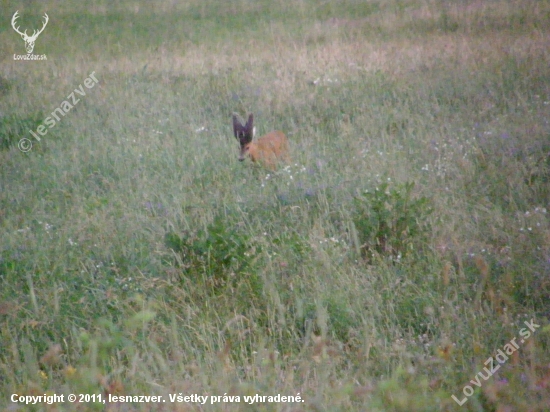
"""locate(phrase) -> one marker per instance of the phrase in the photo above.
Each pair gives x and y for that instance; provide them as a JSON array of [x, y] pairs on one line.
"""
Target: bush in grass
[[214, 253], [390, 221], [14, 127]]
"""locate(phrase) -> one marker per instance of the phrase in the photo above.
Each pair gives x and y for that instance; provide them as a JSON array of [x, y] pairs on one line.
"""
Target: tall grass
[[407, 242]]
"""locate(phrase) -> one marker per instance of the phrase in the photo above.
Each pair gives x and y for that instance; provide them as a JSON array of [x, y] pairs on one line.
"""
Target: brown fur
[[267, 150]]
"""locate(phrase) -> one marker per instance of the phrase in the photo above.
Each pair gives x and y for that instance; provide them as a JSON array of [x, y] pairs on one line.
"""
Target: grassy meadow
[[406, 243]]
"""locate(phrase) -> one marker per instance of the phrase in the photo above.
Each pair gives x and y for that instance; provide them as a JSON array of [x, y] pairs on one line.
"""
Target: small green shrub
[[14, 127], [216, 251], [5, 86], [389, 221]]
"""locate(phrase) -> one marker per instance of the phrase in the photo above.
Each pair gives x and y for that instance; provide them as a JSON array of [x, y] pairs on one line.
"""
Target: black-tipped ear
[[250, 123], [238, 128]]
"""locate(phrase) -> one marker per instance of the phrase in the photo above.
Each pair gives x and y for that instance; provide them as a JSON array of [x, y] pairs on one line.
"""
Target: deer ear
[[249, 123], [237, 126]]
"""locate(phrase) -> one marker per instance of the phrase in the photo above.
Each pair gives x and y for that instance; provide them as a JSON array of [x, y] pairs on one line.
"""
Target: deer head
[[244, 134], [29, 40]]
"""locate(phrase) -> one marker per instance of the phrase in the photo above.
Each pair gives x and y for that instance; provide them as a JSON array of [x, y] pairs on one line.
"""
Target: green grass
[[407, 242]]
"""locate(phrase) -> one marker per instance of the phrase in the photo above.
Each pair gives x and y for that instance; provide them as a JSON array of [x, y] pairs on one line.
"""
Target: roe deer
[[268, 149]]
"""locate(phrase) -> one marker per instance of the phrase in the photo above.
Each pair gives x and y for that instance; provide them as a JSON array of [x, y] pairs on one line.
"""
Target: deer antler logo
[[29, 40]]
